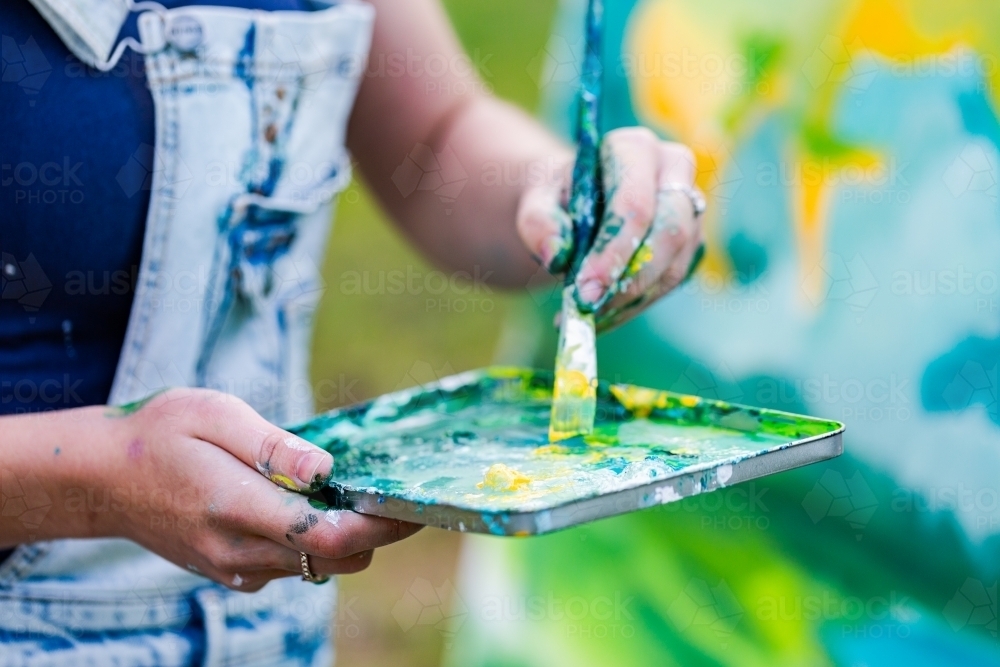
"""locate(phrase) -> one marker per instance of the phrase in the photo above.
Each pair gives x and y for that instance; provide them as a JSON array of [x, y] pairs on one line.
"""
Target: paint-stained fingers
[[289, 519], [666, 256], [619, 313], [672, 239], [250, 562], [545, 228], [668, 235], [285, 459], [344, 533], [630, 159], [677, 167]]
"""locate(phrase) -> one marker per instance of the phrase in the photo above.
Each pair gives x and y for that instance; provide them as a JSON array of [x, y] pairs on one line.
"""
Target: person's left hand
[[649, 239]]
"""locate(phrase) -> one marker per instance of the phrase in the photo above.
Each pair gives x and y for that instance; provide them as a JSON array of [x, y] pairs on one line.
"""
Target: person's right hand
[[196, 476]]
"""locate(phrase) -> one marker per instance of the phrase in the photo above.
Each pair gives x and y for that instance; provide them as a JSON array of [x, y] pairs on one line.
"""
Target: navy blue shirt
[[75, 160]]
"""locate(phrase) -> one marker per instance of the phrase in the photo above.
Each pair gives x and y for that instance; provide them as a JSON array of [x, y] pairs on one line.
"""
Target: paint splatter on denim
[[251, 112]]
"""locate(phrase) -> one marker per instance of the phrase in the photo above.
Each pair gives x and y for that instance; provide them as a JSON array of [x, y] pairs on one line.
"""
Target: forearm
[[409, 106], [507, 152], [501, 151], [44, 459]]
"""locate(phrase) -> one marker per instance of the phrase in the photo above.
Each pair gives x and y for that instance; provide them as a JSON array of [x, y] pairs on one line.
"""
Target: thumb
[[291, 462], [284, 458]]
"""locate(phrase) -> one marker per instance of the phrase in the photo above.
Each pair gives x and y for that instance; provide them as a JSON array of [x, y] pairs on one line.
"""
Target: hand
[[649, 239], [209, 473]]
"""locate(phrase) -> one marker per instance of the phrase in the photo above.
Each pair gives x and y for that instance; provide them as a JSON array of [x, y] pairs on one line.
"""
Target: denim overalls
[[251, 112]]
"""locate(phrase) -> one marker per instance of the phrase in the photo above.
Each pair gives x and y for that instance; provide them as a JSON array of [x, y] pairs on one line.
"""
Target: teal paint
[[437, 445]]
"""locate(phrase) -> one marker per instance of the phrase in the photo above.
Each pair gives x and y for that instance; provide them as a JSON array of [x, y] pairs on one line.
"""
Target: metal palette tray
[[471, 452]]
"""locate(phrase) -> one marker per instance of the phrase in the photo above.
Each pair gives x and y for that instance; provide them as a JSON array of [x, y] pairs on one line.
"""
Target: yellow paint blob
[[500, 477], [639, 400], [574, 384], [551, 450], [690, 401], [284, 481], [642, 257]]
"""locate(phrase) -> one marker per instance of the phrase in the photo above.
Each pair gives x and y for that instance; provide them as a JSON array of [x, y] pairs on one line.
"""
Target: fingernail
[[554, 254], [547, 251], [313, 469], [589, 292]]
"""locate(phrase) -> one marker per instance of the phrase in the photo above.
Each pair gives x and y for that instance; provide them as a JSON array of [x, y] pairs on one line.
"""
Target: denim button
[[184, 33]]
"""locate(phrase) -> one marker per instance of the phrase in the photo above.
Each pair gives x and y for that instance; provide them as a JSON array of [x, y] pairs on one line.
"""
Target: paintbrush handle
[[584, 200]]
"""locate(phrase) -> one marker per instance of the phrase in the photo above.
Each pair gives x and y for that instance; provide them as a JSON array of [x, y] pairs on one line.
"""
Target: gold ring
[[307, 574]]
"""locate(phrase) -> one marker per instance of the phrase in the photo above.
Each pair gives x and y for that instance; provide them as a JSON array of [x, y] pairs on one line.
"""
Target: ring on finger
[[696, 196], [307, 574]]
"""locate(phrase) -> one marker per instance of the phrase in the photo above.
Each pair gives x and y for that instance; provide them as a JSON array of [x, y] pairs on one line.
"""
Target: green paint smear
[[434, 445], [127, 409]]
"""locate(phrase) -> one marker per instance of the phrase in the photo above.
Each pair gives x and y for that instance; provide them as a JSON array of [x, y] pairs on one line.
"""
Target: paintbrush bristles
[[574, 393]]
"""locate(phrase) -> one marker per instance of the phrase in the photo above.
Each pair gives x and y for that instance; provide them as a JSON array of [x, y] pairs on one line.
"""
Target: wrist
[[55, 464]]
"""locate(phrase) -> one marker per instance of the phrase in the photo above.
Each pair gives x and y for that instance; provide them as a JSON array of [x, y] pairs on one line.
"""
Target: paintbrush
[[574, 394]]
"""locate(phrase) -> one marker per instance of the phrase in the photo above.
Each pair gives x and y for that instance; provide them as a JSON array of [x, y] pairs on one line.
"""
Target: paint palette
[[471, 452]]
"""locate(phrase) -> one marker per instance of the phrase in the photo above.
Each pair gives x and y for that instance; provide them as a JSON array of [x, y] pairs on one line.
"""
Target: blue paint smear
[[978, 116], [244, 60], [963, 377]]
